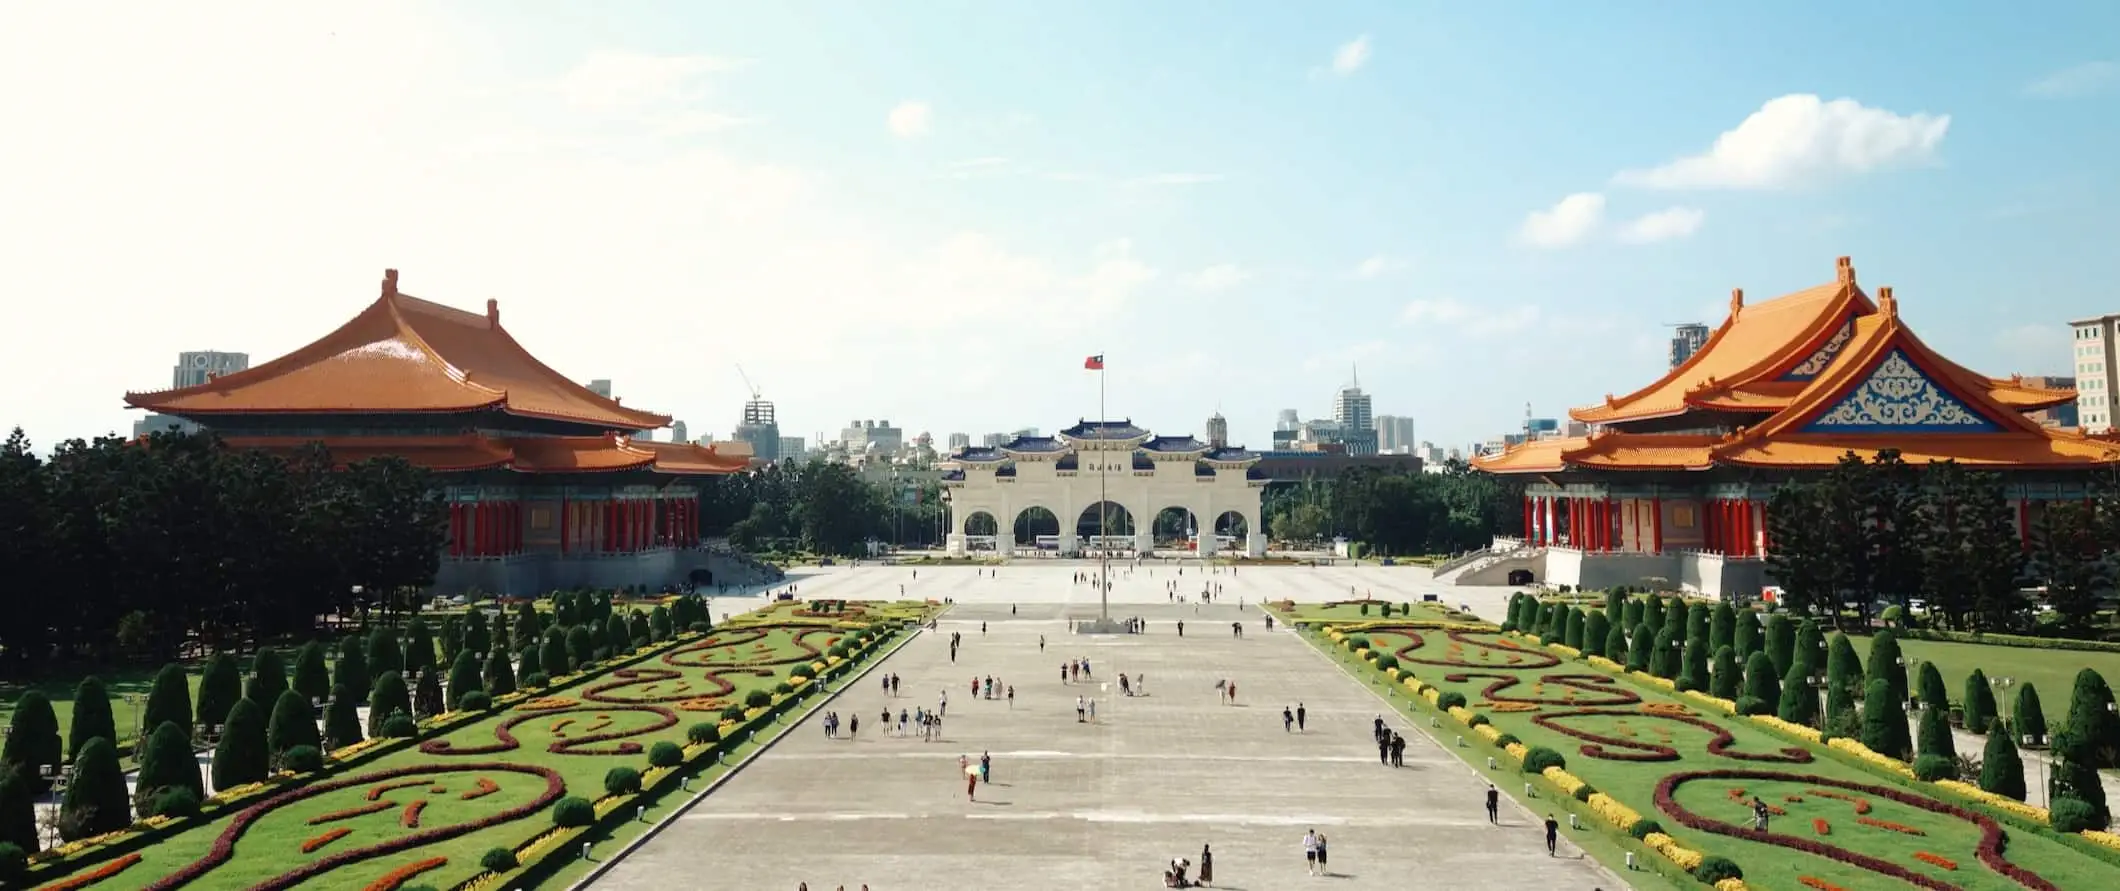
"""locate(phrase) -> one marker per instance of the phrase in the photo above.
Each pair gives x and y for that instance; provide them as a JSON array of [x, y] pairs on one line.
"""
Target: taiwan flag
[[1094, 363]]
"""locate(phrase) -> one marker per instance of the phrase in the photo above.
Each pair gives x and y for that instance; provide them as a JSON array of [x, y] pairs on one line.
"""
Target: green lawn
[[1488, 672], [2053, 671], [128, 688], [606, 717]]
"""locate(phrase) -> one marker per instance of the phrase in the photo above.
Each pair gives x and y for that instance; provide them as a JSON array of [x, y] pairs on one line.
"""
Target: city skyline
[[707, 156]]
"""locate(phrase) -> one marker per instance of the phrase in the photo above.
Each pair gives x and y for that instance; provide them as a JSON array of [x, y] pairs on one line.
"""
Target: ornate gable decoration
[[1816, 364], [1897, 398]]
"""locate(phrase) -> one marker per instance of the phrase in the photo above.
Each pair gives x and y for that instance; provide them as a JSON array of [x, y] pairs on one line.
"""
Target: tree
[[1636, 612], [1653, 612], [463, 678], [1722, 627], [658, 624], [552, 656], [92, 717], [352, 669], [1884, 719], [18, 808], [1639, 645], [500, 676], [220, 685], [419, 646], [1931, 689], [2027, 721], [168, 763], [169, 700], [616, 634], [241, 756], [1979, 702], [1616, 644], [384, 653], [1843, 679], [1572, 631], [1890, 562], [1697, 622], [637, 626], [477, 637], [1693, 668], [2092, 720], [1750, 637], [95, 796], [2069, 559], [1799, 700], [1801, 559], [342, 719], [1595, 631], [1781, 641], [2083, 745], [2001, 771], [1808, 654], [1663, 658], [293, 723], [1885, 662], [1615, 602], [268, 678], [528, 625], [427, 698], [581, 646], [388, 697], [311, 678], [1762, 687], [1936, 734], [32, 736], [1726, 679]]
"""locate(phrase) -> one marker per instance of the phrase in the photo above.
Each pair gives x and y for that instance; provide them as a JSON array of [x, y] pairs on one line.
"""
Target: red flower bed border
[[1889, 826], [352, 812], [1936, 860], [224, 846], [310, 846], [1405, 653], [577, 745], [94, 875], [1818, 884], [1601, 745], [410, 819], [377, 793], [1595, 684], [1989, 851], [485, 787], [396, 878]]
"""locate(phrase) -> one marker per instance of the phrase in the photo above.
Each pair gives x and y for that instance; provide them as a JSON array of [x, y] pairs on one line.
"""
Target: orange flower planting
[[1934, 860], [1793, 799], [403, 874], [310, 846], [410, 819], [560, 725], [352, 812], [94, 875], [1820, 826], [376, 793], [437, 790], [1818, 883], [1901, 828], [485, 787]]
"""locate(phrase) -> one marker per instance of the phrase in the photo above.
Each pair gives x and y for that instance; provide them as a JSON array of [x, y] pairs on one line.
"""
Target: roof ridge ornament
[[390, 277], [1887, 304], [1737, 301], [1844, 270], [493, 313]]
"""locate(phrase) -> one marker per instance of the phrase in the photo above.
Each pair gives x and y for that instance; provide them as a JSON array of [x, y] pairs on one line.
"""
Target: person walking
[[1324, 868], [1384, 748], [1181, 627], [1081, 708], [1041, 643], [1288, 719], [1310, 850], [1207, 866], [1553, 835], [1012, 697], [1398, 750], [1494, 805], [1232, 692], [986, 767], [1759, 814], [1301, 713]]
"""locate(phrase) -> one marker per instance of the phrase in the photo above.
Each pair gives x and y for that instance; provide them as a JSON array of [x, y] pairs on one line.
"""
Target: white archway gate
[[1092, 462]]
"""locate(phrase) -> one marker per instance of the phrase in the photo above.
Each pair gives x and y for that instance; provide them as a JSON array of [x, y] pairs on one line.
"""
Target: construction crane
[[755, 392], [1685, 324]]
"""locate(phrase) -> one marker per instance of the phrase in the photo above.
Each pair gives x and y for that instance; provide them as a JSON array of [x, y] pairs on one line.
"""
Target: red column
[[2024, 523], [1656, 524], [456, 529], [607, 536], [1605, 514], [1751, 528], [515, 527], [1710, 515]]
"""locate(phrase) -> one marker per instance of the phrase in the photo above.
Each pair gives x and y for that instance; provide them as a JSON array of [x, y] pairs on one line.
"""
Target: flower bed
[[311, 844], [399, 876], [1889, 826], [1937, 860], [83, 880], [410, 819], [352, 812], [484, 788]]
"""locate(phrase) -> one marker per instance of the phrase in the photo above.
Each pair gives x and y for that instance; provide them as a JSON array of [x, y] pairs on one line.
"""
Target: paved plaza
[[1106, 804]]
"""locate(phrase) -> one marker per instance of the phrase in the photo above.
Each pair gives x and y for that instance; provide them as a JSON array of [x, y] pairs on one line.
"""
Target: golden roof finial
[[1845, 270], [1737, 301], [1886, 304], [1611, 402]]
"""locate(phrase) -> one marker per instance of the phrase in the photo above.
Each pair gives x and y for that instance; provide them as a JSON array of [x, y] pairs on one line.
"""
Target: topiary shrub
[[1643, 827], [95, 801], [342, 720], [1449, 700], [1386, 662], [732, 713], [2073, 815], [1693, 665], [1722, 627], [268, 678], [1365, 609], [427, 698], [2001, 770], [1663, 653], [172, 802], [464, 677], [1713, 869], [665, 754], [1572, 629], [783, 688], [389, 697], [1936, 734], [302, 759], [1843, 681], [1884, 721], [400, 726], [703, 733], [14, 864], [1781, 642], [1930, 768], [1753, 705], [1725, 680], [1538, 758], [1762, 683], [91, 716], [802, 670], [220, 685], [1979, 703], [498, 860], [1584, 791], [1615, 644], [241, 756], [621, 781], [169, 700], [293, 723], [475, 701], [1358, 642], [2027, 720], [1885, 661], [536, 680], [757, 699], [573, 812], [1477, 720], [1506, 740], [1639, 645], [499, 673], [169, 763]]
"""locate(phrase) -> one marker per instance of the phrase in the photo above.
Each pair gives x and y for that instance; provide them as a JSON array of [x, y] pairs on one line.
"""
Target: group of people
[[831, 725], [1075, 670], [1391, 747], [1176, 875], [1293, 720], [988, 688], [930, 723], [1134, 686]]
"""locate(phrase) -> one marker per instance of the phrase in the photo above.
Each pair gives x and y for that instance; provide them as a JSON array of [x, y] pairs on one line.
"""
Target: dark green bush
[[1584, 791], [169, 700], [1929, 690], [1753, 705], [1762, 682], [427, 698], [1713, 868], [302, 759], [666, 754], [1477, 720], [802, 670], [1844, 680], [91, 715], [342, 721], [703, 733], [464, 677], [419, 646], [1639, 645], [1979, 702], [1538, 758], [573, 812], [1931, 768], [475, 701], [1358, 642], [169, 763], [293, 723], [498, 860], [757, 699], [95, 801], [312, 678], [621, 781], [1886, 661], [1643, 827], [1884, 720], [1664, 654], [241, 757], [220, 685], [268, 678], [2073, 815], [351, 671], [1450, 699], [1506, 740], [783, 688], [536, 680], [732, 713], [172, 802], [388, 698], [2026, 718], [400, 726], [32, 735], [2001, 770], [1386, 661], [1693, 665], [1726, 680], [499, 673], [1936, 734], [14, 864]]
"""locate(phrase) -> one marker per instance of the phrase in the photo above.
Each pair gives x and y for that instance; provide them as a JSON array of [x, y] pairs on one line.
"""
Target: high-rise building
[[2096, 377], [761, 429], [1351, 410], [1288, 420], [960, 441], [194, 367], [2060, 417], [792, 448], [1395, 435], [678, 433], [601, 387], [866, 437], [1217, 430], [1686, 340]]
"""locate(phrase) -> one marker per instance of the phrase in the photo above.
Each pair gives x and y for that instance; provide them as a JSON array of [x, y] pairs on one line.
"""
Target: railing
[[1459, 560]]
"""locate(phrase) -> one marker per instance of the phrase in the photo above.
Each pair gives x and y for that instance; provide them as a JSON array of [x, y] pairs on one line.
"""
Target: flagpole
[[1104, 606]]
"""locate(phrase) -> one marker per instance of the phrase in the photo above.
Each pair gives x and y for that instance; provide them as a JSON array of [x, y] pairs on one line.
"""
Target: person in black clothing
[[1378, 730], [1553, 834], [1288, 719], [1301, 713], [1494, 804], [1181, 629], [1384, 749], [1398, 750]]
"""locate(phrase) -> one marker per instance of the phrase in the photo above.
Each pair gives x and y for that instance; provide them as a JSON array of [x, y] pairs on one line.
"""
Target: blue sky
[[931, 212]]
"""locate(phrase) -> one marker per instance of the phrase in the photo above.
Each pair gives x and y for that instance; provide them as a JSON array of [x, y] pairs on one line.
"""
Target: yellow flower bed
[[2102, 838], [611, 803], [1798, 730], [355, 749], [1606, 664], [1462, 714], [1728, 707], [1685, 857], [1516, 750], [482, 882], [1615, 813], [1565, 650], [2004, 802], [751, 714], [1567, 782], [1432, 694], [1414, 686], [1535, 639], [1664, 684], [541, 845], [227, 795], [1856, 748], [830, 661], [796, 683], [1488, 732], [1732, 885], [547, 703]]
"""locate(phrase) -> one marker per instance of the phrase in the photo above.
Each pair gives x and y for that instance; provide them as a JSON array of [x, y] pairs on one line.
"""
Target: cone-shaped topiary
[[1886, 662], [241, 756], [463, 677], [581, 645], [33, 736], [1635, 613], [419, 646], [1979, 702], [499, 678], [1639, 645], [477, 637], [1762, 686], [1781, 642], [1572, 634], [2092, 720], [18, 808], [342, 719], [659, 623], [1936, 733], [1930, 687], [427, 698], [552, 657], [1884, 720], [268, 678], [1727, 679], [351, 672], [389, 696], [528, 625], [1615, 603], [92, 717], [1722, 627], [1749, 636], [312, 678], [1663, 652], [1799, 700], [1653, 613], [1616, 644], [293, 723], [95, 796], [1697, 623], [617, 636], [169, 700], [450, 639], [1510, 611], [1693, 665], [1809, 652], [220, 685], [2027, 721], [1843, 679], [384, 652], [1595, 630], [2082, 746], [168, 763], [2001, 771]]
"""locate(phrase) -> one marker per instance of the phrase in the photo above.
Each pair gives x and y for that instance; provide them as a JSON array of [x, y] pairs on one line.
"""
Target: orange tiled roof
[[403, 354], [438, 453], [684, 457], [1645, 451], [1755, 343], [569, 454], [1971, 449], [579, 454], [1538, 456]]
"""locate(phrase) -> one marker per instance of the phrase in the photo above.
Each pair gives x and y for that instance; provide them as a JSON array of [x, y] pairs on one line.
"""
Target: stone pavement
[[1104, 805]]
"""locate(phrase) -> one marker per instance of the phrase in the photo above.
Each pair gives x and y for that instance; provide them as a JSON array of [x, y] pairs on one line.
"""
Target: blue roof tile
[[978, 455], [1104, 430], [1038, 444], [1178, 444], [1141, 462], [1237, 453]]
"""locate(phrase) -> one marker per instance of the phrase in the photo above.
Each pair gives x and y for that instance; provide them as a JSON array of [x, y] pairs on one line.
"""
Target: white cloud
[[1175, 179], [1569, 222], [1453, 317], [1801, 138], [1217, 278], [1662, 225], [1351, 56], [910, 119], [1378, 266], [2077, 80]]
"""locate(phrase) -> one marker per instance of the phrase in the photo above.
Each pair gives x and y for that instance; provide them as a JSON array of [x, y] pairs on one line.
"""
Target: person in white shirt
[[1310, 850]]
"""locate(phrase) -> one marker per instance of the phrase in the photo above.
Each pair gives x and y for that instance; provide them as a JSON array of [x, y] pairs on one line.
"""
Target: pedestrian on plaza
[[1081, 709], [1310, 850], [1301, 715], [1207, 866], [884, 722], [1324, 869], [1181, 627], [982, 629], [1494, 804], [1232, 692], [854, 727], [1041, 643], [1553, 834], [1384, 749], [971, 786], [1063, 672], [1378, 731], [1398, 750], [1288, 719], [1012, 696], [1093, 711], [986, 767]]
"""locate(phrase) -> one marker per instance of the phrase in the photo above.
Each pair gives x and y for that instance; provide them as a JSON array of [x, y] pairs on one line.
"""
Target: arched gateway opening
[[1037, 527], [1232, 525], [1107, 525], [980, 531], [1175, 528]]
